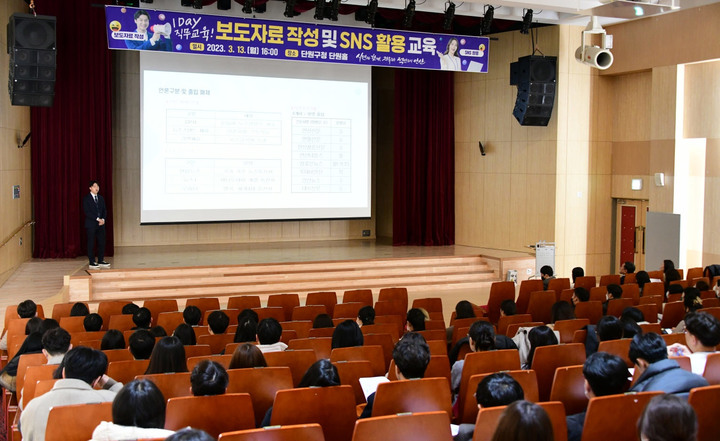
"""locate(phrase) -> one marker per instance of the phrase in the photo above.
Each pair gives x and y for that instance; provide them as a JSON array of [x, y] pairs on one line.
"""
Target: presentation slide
[[240, 140]]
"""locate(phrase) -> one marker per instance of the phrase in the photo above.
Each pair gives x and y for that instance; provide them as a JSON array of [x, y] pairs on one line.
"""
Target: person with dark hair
[[412, 356], [168, 356], [609, 328], [218, 322], [141, 344], [580, 294], [158, 331], [546, 274], [247, 355], [626, 268], [630, 327], [605, 374], [269, 332], [415, 320], [208, 378], [658, 373], [190, 434], [346, 335], [634, 314], [702, 335], [247, 329], [192, 315], [577, 272], [83, 369], [537, 337], [702, 285], [55, 344], [113, 339], [668, 418], [481, 337], [613, 291], [142, 318], [79, 309], [130, 309], [26, 309], [692, 302], [186, 334], [507, 308], [323, 321], [34, 330], [641, 278], [92, 322], [671, 276], [524, 421], [561, 310], [95, 213], [464, 309], [138, 411], [366, 316], [498, 389]]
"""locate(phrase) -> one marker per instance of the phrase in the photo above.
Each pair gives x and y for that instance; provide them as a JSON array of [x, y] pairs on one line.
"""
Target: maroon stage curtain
[[72, 141], [424, 158]]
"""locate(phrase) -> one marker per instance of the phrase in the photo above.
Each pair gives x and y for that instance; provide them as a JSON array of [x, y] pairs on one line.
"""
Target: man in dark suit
[[95, 212]]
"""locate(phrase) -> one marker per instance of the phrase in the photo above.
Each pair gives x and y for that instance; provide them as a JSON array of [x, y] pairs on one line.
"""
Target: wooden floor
[[42, 279]]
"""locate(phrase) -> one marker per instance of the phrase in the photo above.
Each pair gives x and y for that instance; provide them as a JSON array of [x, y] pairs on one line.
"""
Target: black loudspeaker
[[31, 45], [535, 78]]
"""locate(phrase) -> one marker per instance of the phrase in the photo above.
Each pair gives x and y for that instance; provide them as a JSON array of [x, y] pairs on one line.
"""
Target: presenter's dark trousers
[[96, 234]]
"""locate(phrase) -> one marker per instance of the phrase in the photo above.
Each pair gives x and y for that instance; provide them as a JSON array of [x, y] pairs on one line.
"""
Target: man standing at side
[[95, 212]]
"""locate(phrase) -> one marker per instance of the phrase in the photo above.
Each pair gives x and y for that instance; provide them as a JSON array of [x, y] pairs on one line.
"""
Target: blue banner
[[144, 29]]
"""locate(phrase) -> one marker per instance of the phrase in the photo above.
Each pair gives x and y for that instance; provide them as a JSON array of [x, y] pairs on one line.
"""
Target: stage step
[[419, 275]]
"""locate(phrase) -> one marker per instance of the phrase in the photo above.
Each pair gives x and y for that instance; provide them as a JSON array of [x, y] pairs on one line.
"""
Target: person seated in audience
[[208, 378], [481, 337], [524, 421], [347, 334], [634, 314], [82, 369], [168, 356], [129, 309], [561, 310], [247, 355], [546, 274], [580, 294], [464, 309], [323, 321], [626, 268], [186, 334], [668, 418], [141, 344], [192, 315], [702, 335], [498, 389], [630, 327], [247, 328], [702, 285], [605, 374], [692, 302], [190, 434], [412, 356], [366, 316], [79, 309], [649, 354], [92, 322], [138, 411], [673, 289], [608, 328], [113, 339], [218, 322], [415, 320], [35, 328], [613, 292], [55, 344], [670, 274], [535, 337], [322, 373], [142, 318], [577, 272], [158, 331], [269, 332], [507, 308], [641, 278]]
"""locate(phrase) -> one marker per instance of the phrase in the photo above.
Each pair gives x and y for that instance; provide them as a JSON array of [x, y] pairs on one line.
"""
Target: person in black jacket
[[95, 214]]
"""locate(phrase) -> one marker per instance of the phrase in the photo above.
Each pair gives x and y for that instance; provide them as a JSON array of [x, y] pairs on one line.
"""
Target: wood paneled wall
[[15, 214]]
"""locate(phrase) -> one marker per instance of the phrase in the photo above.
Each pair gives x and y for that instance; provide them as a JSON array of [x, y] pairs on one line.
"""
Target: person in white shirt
[[702, 334], [269, 332]]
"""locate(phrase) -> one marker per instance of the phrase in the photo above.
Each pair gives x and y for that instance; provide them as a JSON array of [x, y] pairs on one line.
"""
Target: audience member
[[668, 418], [630, 327], [702, 285], [323, 321], [168, 356], [190, 434], [186, 334], [346, 335], [692, 302], [130, 309], [247, 329], [269, 332], [577, 272], [546, 274], [218, 322], [141, 344], [609, 328], [113, 339], [247, 355], [537, 337], [142, 318], [641, 278], [605, 374], [415, 320], [508, 307], [192, 315], [208, 378], [561, 310], [92, 322], [498, 389], [482, 335], [158, 331], [633, 313], [83, 369], [580, 294], [366, 316], [79, 309], [464, 309], [614, 292], [649, 354], [55, 344], [702, 335], [34, 330], [138, 411], [626, 268], [524, 421]]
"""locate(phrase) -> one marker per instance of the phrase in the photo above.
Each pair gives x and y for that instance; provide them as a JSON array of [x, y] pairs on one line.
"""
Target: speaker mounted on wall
[[31, 45], [535, 77]]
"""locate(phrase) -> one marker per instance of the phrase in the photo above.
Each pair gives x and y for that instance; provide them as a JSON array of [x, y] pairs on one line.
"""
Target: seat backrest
[[437, 367], [540, 307], [591, 310], [616, 306], [512, 329], [420, 395], [655, 300], [383, 340], [609, 279], [125, 371], [387, 307], [325, 298], [285, 301], [373, 354], [223, 360], [216, 342], [547, 358], [558, 284], [706, 402], [33, 374], [213, 414], [157, 306], [429, 304], [631, 291], [347, 310], [437, 347], [586, 282], [566, 295], [331, 407], [276, 312], [568, 387], [712, 302], [308, 312], [301, 327], [483, 363], [619, 347], [499, 292], [72, 324], [25, 361], [712, 368], [649, 311], [204, 304], [321, 332], [654, 289], [526, 378], [121, 322], [673, 312], [433, 334], [321, 345], [171, 385], [651, 327], [197, 351], [599, 293], [262, 384], [118, 355], [170, 320], [567, 328], [713, 311], [488, 419], [398, 294], [298, 361], [382, 328], [108, 308], [419, 426], [297, 432], [363, 296], [76, 422], [526, 287], [630, 278], [350, 373], [622, 410], [507, 320], [693, 273], [63, 310], [244, 302]]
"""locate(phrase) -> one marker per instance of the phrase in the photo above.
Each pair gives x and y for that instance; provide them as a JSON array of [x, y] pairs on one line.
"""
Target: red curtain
[[72, 141], [424, 158]]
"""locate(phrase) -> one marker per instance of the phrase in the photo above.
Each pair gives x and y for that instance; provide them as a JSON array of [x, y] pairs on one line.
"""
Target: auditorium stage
[[48, 281]]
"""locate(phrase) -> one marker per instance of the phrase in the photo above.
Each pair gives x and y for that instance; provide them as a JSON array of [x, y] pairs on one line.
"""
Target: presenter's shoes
[[103, 264], [93, 265]]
